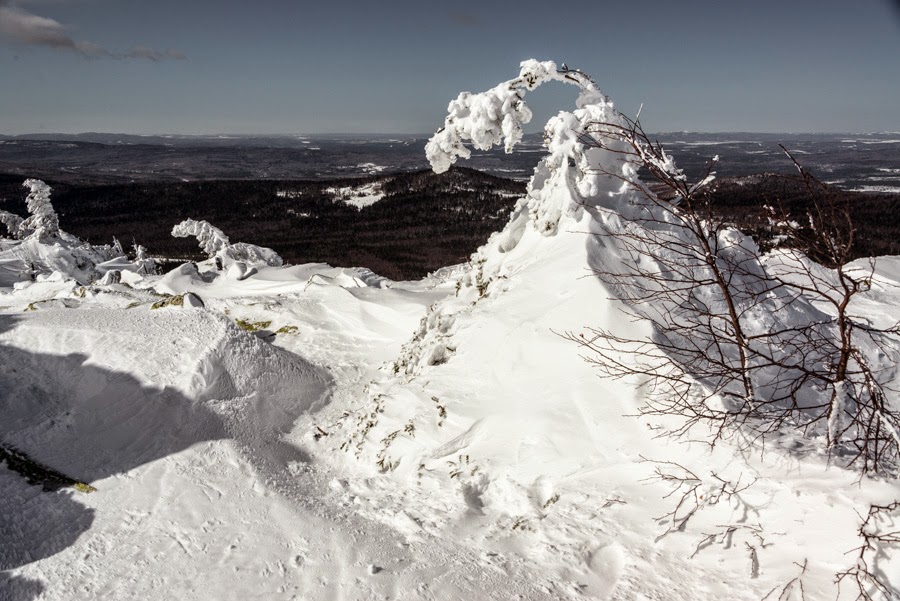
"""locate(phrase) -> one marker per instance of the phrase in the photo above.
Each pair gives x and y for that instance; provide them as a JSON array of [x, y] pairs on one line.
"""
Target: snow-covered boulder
[[113, 276], [183, 277], [192, 301]]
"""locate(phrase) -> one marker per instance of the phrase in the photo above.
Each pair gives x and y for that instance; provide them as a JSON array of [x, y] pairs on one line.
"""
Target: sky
[[287, 66]]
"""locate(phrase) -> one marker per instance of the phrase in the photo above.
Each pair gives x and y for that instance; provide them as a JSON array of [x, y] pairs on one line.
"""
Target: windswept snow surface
[[185, 424], [313, 432]]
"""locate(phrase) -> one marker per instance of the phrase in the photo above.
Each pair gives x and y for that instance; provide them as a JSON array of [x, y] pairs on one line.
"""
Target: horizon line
[[411, 135]]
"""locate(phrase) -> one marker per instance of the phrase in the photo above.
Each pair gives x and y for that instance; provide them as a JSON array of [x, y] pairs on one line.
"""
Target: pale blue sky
[[277, 66]]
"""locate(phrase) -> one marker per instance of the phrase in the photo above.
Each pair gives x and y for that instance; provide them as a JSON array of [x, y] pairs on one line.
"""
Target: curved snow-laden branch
[[212, 240], [43, 222], [12, 222], [215, 243], [496, 116]]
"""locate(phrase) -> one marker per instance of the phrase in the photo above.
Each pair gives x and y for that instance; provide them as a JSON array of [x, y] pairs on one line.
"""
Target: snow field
[[175, 417]]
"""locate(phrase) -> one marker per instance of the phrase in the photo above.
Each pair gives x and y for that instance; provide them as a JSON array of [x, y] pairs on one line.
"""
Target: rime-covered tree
[[44, 248], [43, 223], [216, 244]]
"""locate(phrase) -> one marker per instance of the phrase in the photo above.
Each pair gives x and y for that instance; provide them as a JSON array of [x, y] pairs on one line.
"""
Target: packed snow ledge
[[254, 430]]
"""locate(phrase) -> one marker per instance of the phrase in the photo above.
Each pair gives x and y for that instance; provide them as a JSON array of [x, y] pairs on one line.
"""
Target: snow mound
[[478, 458], [95, 392]]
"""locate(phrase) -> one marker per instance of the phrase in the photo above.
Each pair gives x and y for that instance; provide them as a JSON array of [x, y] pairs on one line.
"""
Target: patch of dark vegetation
[[38, 474]]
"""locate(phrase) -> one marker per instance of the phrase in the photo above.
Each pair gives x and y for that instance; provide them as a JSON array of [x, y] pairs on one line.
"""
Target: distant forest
[[876, 216], [425, 221]]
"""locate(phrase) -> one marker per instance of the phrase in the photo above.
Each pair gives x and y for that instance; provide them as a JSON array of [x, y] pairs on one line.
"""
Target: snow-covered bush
[[216, 245]]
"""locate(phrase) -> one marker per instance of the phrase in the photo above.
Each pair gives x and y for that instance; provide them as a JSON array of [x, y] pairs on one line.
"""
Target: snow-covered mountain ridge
[[316, 432]]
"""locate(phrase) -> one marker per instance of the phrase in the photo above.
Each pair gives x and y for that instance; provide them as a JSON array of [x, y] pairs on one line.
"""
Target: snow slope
[[175, 416], [324, 433]]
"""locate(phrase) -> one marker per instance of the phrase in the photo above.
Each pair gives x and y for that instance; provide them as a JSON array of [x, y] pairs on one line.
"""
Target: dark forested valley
[[424, 221]]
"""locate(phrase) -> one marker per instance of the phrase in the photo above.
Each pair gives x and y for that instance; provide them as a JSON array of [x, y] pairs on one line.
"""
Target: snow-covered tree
[[42, 246], [498, 115], [215, 244], [145, 263], [43, 222], [212, 240]]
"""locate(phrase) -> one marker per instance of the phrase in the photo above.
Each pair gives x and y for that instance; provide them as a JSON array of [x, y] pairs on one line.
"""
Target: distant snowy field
[[262, 431]]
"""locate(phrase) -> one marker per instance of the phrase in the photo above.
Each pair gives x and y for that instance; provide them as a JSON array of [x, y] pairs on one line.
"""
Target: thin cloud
[[464, 19], [154, 55], [33, 30]]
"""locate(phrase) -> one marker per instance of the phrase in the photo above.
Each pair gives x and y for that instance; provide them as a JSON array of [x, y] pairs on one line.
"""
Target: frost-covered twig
[[859, 414], [739, 340]]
